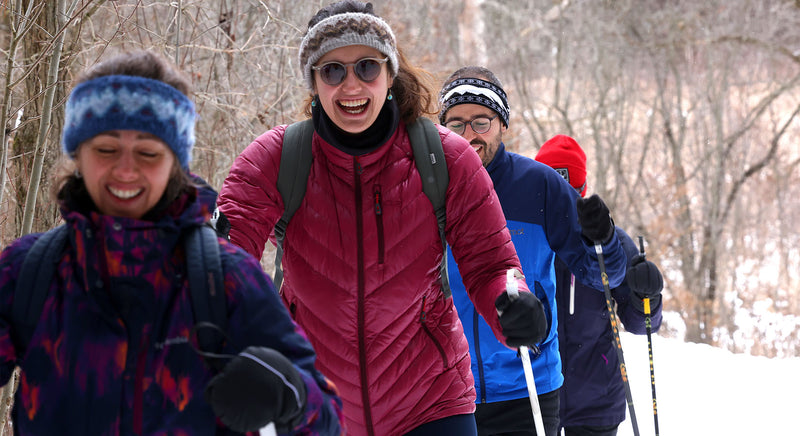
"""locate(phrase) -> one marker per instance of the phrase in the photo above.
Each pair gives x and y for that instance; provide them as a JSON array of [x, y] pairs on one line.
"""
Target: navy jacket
[[539, 207], [593, 393]]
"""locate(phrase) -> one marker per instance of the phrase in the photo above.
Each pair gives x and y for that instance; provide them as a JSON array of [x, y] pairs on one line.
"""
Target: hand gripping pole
[[513, 292]]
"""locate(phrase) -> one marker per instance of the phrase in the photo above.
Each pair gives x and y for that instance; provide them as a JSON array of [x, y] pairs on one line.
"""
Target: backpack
[[295, 166], [204, 270]]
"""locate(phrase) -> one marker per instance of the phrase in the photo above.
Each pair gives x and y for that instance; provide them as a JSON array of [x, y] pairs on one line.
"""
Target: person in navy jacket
[[593, 395], [545, 217]]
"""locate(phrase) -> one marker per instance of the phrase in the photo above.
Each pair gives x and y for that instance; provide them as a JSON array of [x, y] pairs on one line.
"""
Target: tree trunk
[[46, 113]]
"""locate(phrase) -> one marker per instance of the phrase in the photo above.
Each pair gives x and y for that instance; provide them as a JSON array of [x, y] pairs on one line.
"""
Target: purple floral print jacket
[[114, 353]]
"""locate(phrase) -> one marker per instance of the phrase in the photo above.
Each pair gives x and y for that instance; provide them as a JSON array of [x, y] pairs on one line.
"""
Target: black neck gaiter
[[357, 144]]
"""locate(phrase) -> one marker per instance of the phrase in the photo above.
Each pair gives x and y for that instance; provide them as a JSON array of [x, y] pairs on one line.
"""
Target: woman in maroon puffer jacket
[[362, 253]]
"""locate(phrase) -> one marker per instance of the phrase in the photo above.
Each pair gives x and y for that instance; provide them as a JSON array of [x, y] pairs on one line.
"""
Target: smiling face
[[125, 171], [353, 105], [485, 144]]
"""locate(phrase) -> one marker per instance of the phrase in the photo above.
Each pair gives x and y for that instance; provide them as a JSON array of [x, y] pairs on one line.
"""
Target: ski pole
[[513, 292], [649, 326], [572, 294], [615, 328]]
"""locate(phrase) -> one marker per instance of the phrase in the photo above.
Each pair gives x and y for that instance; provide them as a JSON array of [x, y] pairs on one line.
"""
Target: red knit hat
[[564, 155]]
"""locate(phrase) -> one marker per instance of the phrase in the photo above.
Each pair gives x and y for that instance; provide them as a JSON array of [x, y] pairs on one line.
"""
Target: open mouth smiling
[[353, 107], [125, 194]]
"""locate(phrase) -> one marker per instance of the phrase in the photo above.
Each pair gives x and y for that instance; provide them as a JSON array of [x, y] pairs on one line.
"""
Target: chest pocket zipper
[[379, 222]]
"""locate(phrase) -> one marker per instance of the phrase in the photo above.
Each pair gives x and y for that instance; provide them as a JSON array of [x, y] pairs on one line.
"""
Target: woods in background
[[688, 112]]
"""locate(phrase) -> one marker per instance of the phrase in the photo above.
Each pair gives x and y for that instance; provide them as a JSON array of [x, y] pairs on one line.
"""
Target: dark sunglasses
[[334, 73]]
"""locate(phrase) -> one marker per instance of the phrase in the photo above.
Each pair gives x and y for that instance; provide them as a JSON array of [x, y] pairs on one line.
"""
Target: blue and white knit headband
[[130, 103], [474, 91]]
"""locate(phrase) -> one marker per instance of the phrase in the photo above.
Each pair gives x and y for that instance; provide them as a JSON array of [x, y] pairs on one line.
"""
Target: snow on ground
[[702, 390]]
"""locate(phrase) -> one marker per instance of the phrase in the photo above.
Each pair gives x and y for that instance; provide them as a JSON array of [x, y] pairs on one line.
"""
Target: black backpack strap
[[206, 287], [292, 180], [33, 284], [432, 167]]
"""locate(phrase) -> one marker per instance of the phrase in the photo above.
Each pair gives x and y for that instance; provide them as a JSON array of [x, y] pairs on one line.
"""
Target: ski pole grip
[[512, 287], [646, 301]]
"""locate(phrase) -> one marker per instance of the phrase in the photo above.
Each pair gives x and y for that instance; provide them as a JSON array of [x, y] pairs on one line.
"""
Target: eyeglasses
[[334, 73], [479, 125]]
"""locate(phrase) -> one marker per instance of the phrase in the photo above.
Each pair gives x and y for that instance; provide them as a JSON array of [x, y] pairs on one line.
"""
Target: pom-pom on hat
[[564, 155], [342, 30], [120, 102]]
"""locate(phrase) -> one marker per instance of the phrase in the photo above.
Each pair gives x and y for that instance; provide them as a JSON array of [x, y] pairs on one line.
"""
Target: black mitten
[[257, 387], [645, 281], [595, 220], [523, 319]]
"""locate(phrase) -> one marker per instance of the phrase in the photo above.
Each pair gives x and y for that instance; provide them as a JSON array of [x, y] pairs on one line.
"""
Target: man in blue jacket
[[593, 399], [545, 217]]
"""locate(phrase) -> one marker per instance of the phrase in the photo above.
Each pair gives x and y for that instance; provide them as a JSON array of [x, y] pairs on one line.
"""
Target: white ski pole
[[513, 292]]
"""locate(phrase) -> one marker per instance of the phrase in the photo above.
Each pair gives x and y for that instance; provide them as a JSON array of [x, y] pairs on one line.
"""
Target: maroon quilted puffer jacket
[[361, 260]]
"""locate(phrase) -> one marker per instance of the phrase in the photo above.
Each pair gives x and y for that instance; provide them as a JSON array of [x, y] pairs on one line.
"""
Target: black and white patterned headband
[[474, 91]]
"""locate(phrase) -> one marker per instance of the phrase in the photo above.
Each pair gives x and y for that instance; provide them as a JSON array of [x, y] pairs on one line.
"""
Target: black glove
[[645, 281], [523, 319], [257, 387], [594, 218], [220, 223]]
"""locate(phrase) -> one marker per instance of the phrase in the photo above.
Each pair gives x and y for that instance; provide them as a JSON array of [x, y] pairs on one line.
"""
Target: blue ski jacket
[[539, 206], [593, 393]]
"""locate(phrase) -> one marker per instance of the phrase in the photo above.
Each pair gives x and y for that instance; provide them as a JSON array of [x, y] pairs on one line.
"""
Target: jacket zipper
[[478, 357], [427, 331], [138, 387], [362, 354], [379, 222]]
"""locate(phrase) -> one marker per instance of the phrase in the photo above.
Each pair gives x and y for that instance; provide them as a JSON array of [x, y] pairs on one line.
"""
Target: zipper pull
[[378, 208]]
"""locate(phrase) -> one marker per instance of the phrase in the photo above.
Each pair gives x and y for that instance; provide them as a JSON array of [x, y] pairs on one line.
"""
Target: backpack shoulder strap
[[292, 180], [33, 284], [206, 287], [432, 167]]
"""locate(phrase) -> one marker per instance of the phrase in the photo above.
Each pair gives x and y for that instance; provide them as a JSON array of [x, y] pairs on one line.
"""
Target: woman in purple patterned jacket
[[115, 349]]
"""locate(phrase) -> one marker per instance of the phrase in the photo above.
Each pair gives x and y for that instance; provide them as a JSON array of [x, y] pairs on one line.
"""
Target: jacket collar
[[499, 160], [189, 210]]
